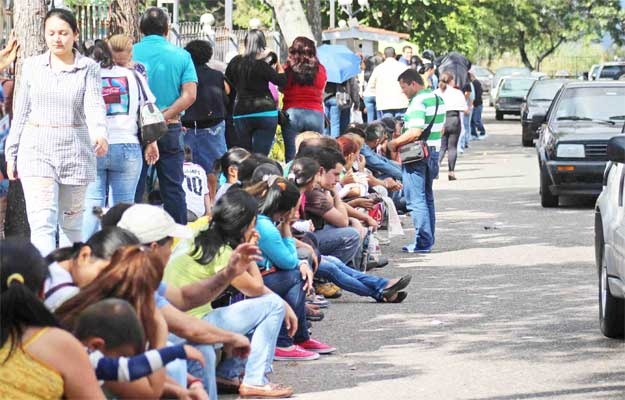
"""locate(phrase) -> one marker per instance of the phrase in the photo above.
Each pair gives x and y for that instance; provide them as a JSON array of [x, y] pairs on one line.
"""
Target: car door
[[615, 219]]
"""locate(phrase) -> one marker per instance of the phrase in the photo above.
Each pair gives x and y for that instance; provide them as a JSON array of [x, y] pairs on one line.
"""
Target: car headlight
[[570, 151]]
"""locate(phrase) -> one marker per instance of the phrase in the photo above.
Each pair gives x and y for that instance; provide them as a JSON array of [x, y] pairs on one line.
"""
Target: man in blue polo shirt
[[172, 79]]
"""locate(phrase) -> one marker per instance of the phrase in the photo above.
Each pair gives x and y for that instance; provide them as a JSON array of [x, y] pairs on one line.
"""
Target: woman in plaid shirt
[[59, 128]]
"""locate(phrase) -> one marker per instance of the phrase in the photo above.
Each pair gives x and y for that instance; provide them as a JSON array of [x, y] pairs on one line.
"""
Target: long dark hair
[[22, 273], [101, 53], [232, 215], [302, 63], [134, 274], [103, 244], [303, 170], [275, 194]]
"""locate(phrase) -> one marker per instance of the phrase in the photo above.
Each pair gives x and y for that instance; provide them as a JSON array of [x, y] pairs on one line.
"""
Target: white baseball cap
[[151, 224]]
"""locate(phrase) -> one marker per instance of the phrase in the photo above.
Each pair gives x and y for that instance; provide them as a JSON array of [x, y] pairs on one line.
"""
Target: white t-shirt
[[58, 287], [454, 99], [195, 185], [122, 99]]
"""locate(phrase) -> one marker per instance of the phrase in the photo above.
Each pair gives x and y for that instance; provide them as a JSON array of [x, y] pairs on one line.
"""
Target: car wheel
[[610, 307], [498, 115], [546, 198], [527, 142]]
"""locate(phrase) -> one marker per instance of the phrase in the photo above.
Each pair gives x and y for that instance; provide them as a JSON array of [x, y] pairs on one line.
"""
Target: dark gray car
[[537, 103]]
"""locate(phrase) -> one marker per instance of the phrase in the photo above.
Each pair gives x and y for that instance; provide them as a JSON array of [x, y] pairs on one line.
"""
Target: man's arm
[[338, 215], [186, 99], [407, 137], [383, 166]]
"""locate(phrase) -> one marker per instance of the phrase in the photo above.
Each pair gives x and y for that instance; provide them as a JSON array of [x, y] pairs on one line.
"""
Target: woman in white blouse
[[455, 103], [59, 127]]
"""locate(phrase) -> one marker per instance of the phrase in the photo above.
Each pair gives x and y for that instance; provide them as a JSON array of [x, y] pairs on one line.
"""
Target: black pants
[[449, 142]]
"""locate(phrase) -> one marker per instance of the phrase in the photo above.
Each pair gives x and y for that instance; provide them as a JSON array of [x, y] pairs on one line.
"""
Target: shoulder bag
[[151, 120], [418, 150]]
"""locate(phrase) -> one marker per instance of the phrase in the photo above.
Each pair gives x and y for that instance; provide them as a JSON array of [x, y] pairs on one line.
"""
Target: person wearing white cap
[[155, 228]]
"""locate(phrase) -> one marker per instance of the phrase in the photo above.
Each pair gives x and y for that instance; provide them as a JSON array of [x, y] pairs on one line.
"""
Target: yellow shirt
[[22, 376], [184, 269]]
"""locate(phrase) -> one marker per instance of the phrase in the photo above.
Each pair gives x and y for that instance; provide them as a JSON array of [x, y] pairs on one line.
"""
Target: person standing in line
[[406, 56], [477, 127], [303, 93], [469, 95], [59, 127], [205, 119], [456, 106], [255, 113], [368, 94], [172, 78], [389, 98], [338, 110], [119, 170], [425, 108]]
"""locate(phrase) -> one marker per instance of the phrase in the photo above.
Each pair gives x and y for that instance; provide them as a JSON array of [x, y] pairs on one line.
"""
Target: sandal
[[227, 386], [268, 391], [389, 292], [313, 313]]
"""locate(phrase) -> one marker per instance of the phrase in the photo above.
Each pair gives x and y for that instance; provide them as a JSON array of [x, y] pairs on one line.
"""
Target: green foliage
[[248, 9]]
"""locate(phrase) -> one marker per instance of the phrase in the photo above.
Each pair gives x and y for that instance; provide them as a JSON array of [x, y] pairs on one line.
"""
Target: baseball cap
[[151, 224]]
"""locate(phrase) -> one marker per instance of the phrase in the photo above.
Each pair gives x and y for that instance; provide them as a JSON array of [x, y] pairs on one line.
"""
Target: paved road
[[505, 308]]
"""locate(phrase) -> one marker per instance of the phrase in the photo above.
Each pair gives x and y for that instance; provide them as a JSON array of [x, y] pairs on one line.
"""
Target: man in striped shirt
[[425, 108]]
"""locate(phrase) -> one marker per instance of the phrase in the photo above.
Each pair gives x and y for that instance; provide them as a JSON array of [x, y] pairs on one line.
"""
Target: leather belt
[[268, 271]]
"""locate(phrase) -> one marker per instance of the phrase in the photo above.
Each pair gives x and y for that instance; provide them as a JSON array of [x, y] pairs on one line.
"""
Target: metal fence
[[93, 22]]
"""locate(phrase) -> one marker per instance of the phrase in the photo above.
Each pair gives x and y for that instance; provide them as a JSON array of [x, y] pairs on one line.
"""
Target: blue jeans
[[418, 179], [207, 144], [342, 243], [397, 112], [289, 285], [206, 373], [466, 133], [339, 119], [335, 271], [117, 177], [477, 126], [170, 173], [372, 114], [256, 134], [300, 120]]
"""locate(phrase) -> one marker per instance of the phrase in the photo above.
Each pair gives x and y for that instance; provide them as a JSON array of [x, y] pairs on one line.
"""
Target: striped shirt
[[421, 111]]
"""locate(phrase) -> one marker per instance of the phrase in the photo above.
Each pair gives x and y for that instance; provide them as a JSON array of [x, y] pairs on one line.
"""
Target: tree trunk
[[523, 53], [291, 18], [547, 53], [28, 16], [125, 18], [313, 13]]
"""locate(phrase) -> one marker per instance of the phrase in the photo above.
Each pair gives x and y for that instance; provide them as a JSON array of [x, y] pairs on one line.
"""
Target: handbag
[[151, 120], [418, 150]]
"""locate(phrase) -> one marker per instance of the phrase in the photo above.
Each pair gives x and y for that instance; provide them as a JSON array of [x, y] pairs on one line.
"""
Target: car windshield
[[612, 71], [604, 105], [516, 85], [544, 90]]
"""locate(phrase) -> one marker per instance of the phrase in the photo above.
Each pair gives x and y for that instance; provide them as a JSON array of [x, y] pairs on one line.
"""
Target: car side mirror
[[616, 149], [539, 119]]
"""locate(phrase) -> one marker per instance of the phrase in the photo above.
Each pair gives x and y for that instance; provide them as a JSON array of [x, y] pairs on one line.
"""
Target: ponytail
[[22, 272]]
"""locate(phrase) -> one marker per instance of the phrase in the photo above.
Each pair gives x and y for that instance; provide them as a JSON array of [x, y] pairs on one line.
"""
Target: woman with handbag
[[59, 127], [255, 113], [119, 170], [303, 93], [455, 104]]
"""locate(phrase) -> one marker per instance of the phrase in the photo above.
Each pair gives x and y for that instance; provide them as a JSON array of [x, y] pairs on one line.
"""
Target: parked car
[[537, 102], [484, 75], [611, 71], [502, 73], [572, 145], [610, 241], [511, 93], [592, 72]]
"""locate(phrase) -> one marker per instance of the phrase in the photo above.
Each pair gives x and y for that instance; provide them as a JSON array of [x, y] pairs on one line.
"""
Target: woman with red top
[[303, 93]]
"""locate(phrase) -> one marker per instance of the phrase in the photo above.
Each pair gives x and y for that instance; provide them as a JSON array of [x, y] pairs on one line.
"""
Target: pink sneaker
[[297, 353], [316, 346]]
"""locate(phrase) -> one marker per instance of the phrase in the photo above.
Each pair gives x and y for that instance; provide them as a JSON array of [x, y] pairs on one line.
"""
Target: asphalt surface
[[504, 308]]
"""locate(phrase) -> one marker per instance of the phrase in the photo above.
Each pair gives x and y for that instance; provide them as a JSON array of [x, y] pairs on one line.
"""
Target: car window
[[544, 90], [594, 104], [517, 84], [612, 71]]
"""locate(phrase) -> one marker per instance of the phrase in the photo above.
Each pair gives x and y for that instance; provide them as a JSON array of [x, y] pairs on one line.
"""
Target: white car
[[610, 241]]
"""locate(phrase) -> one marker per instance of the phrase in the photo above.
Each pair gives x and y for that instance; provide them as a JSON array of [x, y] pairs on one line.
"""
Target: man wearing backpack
[[389, 98], [339, 98]]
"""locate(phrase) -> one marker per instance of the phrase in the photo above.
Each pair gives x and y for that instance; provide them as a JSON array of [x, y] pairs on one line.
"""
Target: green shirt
[[421, 111], [185, 269]]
